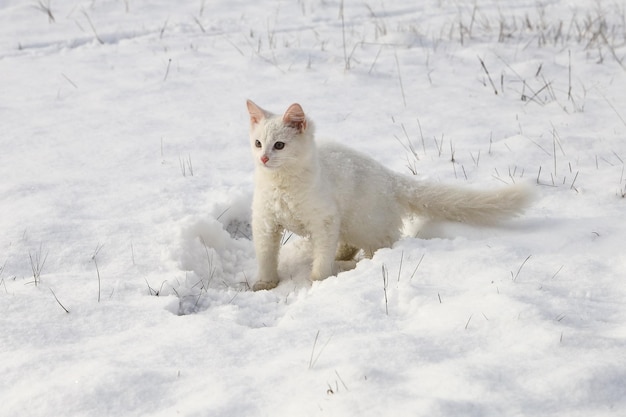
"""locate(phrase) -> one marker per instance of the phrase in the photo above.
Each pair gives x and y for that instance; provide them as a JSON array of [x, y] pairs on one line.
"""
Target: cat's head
[[280, 142]]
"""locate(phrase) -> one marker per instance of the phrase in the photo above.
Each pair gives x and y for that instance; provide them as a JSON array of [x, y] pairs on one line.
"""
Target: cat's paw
[[320, 274], [343, 266], [264, 285]]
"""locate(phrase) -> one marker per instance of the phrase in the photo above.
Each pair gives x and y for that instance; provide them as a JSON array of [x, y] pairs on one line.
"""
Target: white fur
[[343, 200]]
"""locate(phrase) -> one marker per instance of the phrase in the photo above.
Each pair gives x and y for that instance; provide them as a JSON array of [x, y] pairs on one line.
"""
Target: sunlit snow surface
[[126, 181]]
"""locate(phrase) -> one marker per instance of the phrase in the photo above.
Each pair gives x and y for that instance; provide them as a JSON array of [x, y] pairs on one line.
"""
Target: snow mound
[[216, 255]]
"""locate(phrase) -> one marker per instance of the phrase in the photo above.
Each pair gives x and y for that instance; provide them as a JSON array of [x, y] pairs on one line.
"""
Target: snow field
[[126, 184]]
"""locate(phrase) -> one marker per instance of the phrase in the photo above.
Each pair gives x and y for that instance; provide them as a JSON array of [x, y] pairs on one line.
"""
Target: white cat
[[343, 200]]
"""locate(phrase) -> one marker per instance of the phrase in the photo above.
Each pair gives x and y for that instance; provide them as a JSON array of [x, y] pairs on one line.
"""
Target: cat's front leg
[[325, 243], [266, 245]]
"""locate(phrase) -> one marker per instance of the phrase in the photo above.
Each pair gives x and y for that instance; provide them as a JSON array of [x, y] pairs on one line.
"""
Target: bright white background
[[126, 181]]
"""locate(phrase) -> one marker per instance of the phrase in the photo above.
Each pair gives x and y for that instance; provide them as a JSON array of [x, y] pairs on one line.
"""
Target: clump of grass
[[210, 265], [186, 167], [313, 359], [157, 292], [600, 29], [37, 262], [412, 156]]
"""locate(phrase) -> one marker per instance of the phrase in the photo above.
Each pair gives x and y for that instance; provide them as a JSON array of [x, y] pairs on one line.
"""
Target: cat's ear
[[256, 113], [294, 117]]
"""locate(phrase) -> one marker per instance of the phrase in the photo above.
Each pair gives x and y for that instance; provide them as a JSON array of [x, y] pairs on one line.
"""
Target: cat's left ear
[[294, 117]]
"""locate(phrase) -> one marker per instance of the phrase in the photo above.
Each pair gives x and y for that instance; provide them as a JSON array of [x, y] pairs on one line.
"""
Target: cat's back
[[335, 155], [343, 164]]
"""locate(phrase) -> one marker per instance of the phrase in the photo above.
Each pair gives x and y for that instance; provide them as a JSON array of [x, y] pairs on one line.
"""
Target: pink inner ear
[[256, 113], [294, 117]]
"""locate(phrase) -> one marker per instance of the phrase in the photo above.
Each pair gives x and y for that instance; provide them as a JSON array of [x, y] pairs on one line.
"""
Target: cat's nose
[[264, 159]]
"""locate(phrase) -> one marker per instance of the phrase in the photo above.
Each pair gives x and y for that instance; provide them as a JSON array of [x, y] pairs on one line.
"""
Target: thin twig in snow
[[520, 268], [62, 306]]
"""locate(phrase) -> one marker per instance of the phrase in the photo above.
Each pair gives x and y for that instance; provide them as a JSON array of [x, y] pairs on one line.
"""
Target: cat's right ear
[[256, 113]]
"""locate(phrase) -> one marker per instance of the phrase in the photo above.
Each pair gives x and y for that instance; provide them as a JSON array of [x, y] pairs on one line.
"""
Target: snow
[[126, 184]]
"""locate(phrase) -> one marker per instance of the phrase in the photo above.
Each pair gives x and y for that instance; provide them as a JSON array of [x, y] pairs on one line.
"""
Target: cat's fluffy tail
[[447, 202]]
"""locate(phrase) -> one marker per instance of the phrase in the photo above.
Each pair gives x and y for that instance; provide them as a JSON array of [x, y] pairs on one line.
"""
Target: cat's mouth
[[267, 165]]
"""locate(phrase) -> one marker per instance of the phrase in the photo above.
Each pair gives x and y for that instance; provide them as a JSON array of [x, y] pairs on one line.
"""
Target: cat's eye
[[257, 143], [279, 145]]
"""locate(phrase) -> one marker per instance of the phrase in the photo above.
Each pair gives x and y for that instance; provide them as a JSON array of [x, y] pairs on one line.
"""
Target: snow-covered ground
[[126, 182]]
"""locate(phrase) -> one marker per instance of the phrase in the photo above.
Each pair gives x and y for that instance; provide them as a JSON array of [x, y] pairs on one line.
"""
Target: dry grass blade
[[93, 28], [95, 261], [514, 277], [482, 64], [62, 306], [314, 358], [385, 284], [45, 7], [400, 78]]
